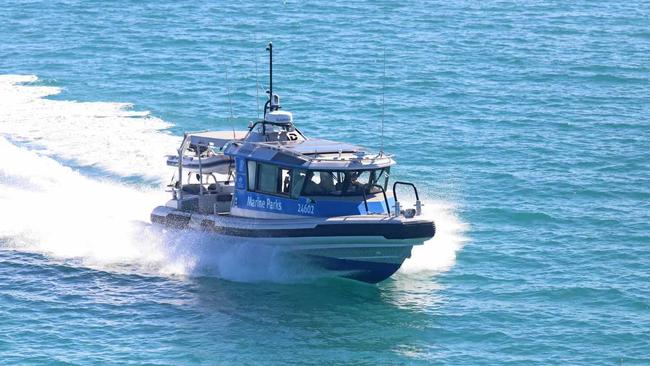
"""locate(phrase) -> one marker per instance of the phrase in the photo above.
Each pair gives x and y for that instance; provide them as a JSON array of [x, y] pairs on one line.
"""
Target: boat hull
[[366, 248]]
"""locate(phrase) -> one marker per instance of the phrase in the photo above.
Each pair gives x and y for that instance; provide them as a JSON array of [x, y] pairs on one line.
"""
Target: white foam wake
[[439, 253], [52, 209], [110, 136], [48, 208]]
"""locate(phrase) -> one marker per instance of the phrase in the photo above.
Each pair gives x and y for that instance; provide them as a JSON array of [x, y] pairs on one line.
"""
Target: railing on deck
[[418, 203], [417, 197]]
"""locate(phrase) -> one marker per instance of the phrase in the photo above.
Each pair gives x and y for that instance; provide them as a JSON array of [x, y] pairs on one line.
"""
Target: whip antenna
[[270, 49], [383, 93]]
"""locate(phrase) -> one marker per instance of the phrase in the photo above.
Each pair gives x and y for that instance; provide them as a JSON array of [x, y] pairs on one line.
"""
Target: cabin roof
[[317, 146], [312, 154]]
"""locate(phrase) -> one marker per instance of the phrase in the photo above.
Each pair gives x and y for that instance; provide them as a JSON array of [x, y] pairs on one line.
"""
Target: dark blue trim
[[370, 272]]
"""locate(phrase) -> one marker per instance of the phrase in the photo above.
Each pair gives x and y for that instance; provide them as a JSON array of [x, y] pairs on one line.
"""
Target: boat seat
[[224, 197]]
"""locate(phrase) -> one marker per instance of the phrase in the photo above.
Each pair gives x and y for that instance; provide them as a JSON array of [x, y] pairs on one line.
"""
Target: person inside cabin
[[326, 184], [311, 187], [286, 184], [344, 185], [353, 185]]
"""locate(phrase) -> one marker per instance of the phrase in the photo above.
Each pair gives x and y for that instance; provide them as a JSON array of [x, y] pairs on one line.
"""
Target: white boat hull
[[368, 248]]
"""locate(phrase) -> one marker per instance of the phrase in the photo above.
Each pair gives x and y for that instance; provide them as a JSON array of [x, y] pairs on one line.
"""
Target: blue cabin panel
[[240, 173], [299, 206], [304, 206]]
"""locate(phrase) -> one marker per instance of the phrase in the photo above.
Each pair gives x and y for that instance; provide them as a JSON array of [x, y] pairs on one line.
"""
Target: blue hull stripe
[[370, 272]]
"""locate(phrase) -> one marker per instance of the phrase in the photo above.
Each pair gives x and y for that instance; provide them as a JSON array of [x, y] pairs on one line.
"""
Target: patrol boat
[[325, 201]]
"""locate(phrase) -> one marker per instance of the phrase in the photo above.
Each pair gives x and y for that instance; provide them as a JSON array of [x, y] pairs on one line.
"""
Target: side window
[[268, 178], [272, 179], [284, 184], [252, 175], [297, 182]]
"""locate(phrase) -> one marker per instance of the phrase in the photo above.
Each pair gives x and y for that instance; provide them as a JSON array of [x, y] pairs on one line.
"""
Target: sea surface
[[524, 124]]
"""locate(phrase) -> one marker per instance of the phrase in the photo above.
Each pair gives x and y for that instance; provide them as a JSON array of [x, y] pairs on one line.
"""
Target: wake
[[54, 210]]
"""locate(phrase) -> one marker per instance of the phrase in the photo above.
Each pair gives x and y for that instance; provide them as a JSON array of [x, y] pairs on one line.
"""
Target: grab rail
[[383, 191], [417, 197], [365, 200], [418, 204]]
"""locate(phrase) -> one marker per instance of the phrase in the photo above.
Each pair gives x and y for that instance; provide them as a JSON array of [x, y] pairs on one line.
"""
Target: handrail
[[355, 159], [365, 200], [417, 197]]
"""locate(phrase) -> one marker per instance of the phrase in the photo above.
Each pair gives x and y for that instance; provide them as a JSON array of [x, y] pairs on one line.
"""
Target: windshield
[[269, 128], [343, 183]]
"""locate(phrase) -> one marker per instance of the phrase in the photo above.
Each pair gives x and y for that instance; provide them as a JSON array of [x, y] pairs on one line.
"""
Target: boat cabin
[[274, 171], [308, 177]]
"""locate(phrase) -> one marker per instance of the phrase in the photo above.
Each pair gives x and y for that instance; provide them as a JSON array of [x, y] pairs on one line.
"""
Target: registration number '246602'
[[305, 208]]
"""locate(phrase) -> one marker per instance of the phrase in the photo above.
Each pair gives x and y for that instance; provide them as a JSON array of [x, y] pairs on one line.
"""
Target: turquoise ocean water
[[525, 124]]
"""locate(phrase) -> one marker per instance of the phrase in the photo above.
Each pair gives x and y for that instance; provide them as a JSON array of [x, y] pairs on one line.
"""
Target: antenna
[[270, 49], [383, 93]]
